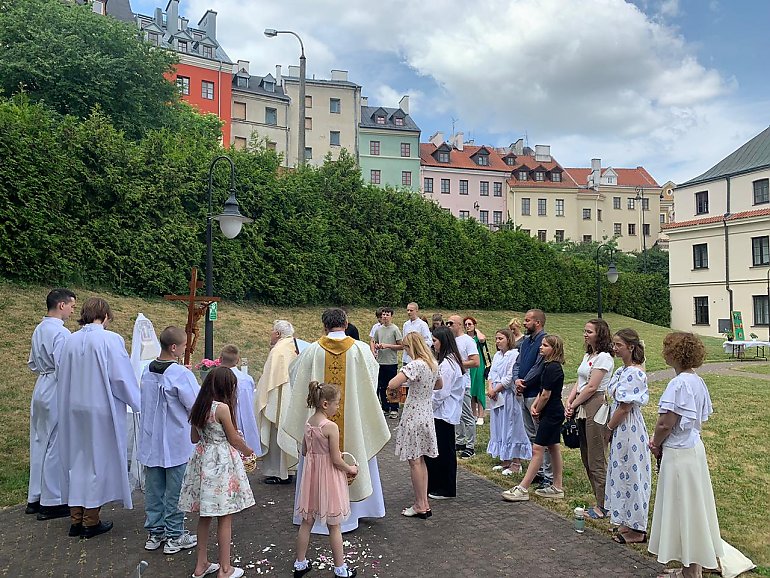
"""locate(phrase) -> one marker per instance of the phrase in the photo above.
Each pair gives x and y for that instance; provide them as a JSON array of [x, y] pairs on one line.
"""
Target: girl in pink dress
[[323, 492]]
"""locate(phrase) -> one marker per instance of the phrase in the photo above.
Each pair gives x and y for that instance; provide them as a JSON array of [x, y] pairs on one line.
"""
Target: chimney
[[159, 17], [278, 78], [293, 71], [458, 142], [543, 153], [364, 101], [403, 104], [209, 24], [437, 138], [243, 65], [518, 147], [340, 75], [596, 172], [183, 23], [172, 16]]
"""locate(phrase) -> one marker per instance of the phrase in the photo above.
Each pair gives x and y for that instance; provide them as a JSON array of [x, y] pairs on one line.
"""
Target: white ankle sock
[[300, 565], [341, 570]]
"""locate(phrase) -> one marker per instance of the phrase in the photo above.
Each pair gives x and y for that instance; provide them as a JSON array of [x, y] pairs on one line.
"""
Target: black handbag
[[569, 431], [487, 360]]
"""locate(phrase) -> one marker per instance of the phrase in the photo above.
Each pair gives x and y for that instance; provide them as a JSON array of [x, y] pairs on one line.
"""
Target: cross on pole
[[196, 308]]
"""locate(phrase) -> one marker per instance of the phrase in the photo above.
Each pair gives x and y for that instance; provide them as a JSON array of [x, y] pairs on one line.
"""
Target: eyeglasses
[[450, 323], [469, 324]]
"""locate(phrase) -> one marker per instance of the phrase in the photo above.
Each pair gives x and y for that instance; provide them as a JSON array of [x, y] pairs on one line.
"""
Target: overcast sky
[[672, 85]]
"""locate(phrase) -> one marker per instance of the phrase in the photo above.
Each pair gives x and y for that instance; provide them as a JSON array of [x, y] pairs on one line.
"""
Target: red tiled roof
[[717, 219], [638, 177], [530, 163], [462, 159]]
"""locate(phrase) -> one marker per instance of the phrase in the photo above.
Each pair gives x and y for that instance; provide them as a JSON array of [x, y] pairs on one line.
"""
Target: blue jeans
[[161, 501]]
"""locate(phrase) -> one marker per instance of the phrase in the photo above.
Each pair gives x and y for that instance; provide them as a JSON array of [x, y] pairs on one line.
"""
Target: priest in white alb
[[96, 383], [339, 359], [271, 405]]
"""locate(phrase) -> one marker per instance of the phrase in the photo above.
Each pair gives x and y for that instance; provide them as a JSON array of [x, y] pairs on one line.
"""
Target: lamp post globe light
[[230, 222], [612, 276], [272, 33]]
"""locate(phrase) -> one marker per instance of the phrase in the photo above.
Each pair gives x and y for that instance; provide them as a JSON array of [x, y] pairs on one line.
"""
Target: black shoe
[[75, 531], [538, 479], [32, 508], [301, 573], [274, 480], [351, 573], [467, 454], [53, 512], [547, 482], [459, 447], [100, 528]]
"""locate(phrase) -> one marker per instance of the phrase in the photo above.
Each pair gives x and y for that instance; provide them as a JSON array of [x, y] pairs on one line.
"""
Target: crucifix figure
[[196, 308]]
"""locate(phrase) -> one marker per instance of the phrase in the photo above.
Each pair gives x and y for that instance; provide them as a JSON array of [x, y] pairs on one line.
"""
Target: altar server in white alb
[[44, 496], [96, 383], [169, 391], [349, 364], [244, 391]]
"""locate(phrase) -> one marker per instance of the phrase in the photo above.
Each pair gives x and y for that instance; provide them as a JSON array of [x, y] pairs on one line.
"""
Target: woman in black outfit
[[548, 412]]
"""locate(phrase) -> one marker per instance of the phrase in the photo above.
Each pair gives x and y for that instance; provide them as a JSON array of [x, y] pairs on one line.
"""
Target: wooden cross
[[196, 308]]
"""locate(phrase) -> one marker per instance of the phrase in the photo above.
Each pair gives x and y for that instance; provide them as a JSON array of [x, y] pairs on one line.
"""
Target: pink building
[[468, 181]]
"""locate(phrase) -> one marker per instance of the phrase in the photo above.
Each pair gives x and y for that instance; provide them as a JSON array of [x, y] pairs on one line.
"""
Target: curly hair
[[603, 338], [685, 349]]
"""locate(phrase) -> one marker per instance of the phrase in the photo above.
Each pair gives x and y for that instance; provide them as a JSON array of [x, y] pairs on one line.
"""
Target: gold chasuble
[[351, 366]]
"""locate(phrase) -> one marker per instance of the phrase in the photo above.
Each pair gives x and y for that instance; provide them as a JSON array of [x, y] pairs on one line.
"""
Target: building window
[[525, 206], [498, 189], [617, 229], [406, 149], [335, 107], [380, 119], [443, 157], [239, 143], [374, 176], [268, 86], [645, 204], [99, 7], [271, 116], [497, 217], [243, 82], [154, 38], [526, 232], [646, 229], [700, 256], [541, 235], [760, 251], [207, 90], [615, 202], [632, 229], [308, 101], [761, 312], [308, 123], [701, 203], [539, 176], [610, 180], [588, 239], [631, 203], [239, 110], [521, 175], [761, 192], [482, 160], [542, 205], [374, 148], [559, 207], [463, 187], [406, 178], [510, 161], [464, 215], [598, 214], [484, 217], [427, 184], [208, 52], [445, 186], [398, 121], [182, 46], [183, 82], [559, 235], [484, 188], [586, 214], [334, 138], [308, 153], [556, 177], [701, 310], [662, 218]]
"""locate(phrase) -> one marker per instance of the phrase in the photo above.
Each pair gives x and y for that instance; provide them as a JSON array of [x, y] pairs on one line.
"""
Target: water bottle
[[245, 365], [580, 520]]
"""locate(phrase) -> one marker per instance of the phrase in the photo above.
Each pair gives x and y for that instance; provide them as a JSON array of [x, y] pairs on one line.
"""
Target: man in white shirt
[[415, 325], [375, 327], [465, 432]]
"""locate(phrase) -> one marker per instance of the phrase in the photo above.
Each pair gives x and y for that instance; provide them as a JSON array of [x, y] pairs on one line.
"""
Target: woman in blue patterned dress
[[627, 489]]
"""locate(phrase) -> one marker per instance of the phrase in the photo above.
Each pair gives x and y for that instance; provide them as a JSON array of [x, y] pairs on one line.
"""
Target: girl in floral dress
[[215, 482], [323, 491], [416, 433]]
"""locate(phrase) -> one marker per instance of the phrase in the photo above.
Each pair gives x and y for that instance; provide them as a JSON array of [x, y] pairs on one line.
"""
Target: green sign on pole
[[738, 334], [213, 311]]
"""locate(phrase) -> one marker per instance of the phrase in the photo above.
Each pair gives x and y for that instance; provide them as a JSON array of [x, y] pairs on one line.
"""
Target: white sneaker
[[498, 469], [550, 492], [480, 421], [516, 494], [183, 542], [438, 497], [154, 541]]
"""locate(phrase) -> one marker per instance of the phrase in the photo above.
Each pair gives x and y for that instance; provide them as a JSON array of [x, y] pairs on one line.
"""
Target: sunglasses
[[450, 323]]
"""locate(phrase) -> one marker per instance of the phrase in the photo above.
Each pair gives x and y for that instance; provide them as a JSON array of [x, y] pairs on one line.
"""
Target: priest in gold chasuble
[[350, 364]]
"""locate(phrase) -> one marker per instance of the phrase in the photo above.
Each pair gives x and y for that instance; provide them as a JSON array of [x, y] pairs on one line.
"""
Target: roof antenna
[[454, 120]]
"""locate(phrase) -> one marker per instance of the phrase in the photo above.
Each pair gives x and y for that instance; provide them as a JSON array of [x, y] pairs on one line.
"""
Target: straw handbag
[[351, 461]]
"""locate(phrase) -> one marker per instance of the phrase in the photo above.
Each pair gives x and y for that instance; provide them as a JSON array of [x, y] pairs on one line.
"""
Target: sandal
[[594, 516], [671, 572], [620, 538]]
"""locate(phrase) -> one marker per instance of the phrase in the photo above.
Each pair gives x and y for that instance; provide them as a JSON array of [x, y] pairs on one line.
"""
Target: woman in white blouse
[[684, 522], [585, 399]]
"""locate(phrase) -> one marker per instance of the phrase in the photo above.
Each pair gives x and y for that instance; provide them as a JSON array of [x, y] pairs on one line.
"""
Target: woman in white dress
[[627, 490], [684, 522], [507, 437]]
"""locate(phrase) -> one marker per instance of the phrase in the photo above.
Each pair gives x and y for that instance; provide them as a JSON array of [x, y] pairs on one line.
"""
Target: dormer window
[[521, 175], [556, 177], [380, 119], [443, 157], [208, 51], [510, 161], [539, 176], [482, 160], [182, 46], [243, 82], [268, 86], [153, 38], [398, 121]]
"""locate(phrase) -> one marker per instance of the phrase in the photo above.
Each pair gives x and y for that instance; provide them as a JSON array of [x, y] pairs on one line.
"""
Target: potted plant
[[205, 366], [728, 335]]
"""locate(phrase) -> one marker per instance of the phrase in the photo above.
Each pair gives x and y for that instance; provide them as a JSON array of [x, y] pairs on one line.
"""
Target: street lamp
[[612, 276], [768, 304], [230, 222], [272, 33], [640, 198]]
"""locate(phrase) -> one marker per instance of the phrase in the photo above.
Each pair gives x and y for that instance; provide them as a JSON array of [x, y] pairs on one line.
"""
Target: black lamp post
[[768, 304], [640, 198], [612, 276], [230, 222]]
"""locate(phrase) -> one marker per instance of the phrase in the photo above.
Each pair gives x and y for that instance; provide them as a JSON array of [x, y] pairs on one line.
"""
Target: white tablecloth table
[[738, 348]]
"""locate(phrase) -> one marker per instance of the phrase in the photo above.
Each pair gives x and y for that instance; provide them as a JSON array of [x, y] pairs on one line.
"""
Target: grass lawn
[[763, 368]]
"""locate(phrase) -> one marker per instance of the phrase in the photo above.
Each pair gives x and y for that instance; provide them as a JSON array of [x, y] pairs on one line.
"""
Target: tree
[[72, 59]]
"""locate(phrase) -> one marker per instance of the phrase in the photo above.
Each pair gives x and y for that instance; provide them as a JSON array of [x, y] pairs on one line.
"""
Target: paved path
[[474, 535], [720, 368]]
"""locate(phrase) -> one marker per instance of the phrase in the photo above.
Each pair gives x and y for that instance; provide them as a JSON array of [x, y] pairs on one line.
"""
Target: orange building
[[205, 72]]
